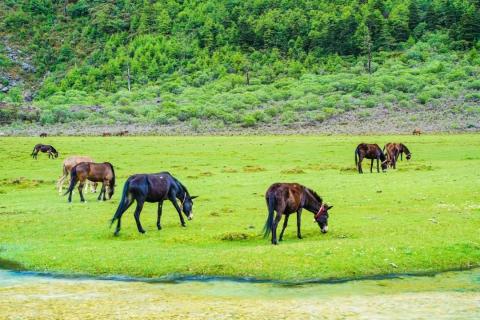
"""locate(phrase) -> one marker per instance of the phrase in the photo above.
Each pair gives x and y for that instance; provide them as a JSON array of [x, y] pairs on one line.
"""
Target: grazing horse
[[106, 134], [68, 165], [287, 198], [403, 149], [370, 151], [43, 135], [52, 153], [122, 133], [95, 172], [156, 187], [417, 132], [393, 150]]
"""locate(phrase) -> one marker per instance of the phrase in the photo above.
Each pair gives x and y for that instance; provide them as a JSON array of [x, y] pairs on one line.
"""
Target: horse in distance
[[45, 148], [67, 167], [370, 151]]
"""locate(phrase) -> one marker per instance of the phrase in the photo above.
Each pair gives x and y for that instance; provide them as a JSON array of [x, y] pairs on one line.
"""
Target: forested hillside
[[234, 62]]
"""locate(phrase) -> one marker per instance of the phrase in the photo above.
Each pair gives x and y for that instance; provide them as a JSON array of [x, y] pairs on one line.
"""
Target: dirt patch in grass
[[234, 236], [23, 183], [253, 169], [229, 170], [417, 167], [293, 171]]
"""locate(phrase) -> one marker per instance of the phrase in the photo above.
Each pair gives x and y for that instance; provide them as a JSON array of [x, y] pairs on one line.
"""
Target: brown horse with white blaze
[[287, 198], [95, 172], [370, 151], [67, 167]]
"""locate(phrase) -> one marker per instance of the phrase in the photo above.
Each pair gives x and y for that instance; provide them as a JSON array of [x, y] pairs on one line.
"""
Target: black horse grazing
[[153, 188], [52, 153], [287, 198], [370, 151]]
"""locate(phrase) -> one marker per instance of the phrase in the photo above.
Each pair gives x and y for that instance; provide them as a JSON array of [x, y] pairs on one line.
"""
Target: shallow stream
[[450, 295]]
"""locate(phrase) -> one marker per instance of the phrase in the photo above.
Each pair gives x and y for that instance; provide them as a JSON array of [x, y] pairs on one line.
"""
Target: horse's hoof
[[141, 231], [159, 227], [116, 233]]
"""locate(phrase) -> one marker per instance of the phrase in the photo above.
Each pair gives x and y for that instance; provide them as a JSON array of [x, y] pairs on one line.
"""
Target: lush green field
[[425, 216]]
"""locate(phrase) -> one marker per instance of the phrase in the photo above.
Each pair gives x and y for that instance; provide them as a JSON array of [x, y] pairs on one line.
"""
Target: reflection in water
[[452, 295]]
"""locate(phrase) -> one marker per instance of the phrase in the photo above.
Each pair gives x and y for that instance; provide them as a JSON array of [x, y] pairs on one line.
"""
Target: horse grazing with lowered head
[[416, 132], [95, 172], [43, 135], [287, 198], [156, 187], [67, 167], [393, 150], [370, 151], [45, 148]]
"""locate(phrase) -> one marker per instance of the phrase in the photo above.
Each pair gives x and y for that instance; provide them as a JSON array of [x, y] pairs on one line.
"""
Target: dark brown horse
[[95, 172], [370, 151], [287, 198], [45, 148], [156, 187], [43, 135], [393, 150], [417, 132], [403, 149]]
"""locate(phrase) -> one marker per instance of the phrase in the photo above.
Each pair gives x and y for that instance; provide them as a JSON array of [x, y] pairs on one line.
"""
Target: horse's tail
[[73, 180], [123, 205], [271, 207]]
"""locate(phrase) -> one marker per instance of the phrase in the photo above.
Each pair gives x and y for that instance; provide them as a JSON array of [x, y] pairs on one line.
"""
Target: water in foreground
[[451, 295]]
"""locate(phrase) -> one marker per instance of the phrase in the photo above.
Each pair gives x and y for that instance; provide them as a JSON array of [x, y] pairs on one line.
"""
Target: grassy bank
[[423, 216]]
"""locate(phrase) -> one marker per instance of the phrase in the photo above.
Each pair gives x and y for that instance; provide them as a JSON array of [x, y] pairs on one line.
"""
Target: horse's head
[[321, 217], [111, 190], [187, 206], [385, 165], [56, 154], [409, 156]]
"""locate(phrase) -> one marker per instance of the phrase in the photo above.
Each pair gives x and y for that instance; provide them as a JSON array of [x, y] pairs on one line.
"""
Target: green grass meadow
[[424, 216]]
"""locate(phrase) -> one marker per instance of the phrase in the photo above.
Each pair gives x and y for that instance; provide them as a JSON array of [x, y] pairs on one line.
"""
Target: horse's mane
[[315, 195], [405, 148], [54, 150], [113, 171], [177, 182]]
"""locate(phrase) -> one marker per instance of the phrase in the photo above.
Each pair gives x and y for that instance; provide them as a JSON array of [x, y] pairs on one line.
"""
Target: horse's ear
[[193, 197], [329, 207]]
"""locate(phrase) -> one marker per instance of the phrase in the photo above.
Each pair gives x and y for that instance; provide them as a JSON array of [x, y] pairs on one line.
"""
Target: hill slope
[[226, 64]]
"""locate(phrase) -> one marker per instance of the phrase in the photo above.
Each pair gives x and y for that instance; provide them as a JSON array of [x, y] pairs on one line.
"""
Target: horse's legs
[[137, 215], [80, 190], [61, 181], [117, 229], [277, 219], [102, 191], [401, 156], [285, 223], [360, 159], [175, 204], [299, 222], [371, 166], [106, 183], [378, 165], [159, 215]]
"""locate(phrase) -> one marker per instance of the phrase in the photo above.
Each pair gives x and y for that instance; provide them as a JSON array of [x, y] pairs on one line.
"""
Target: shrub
[[249, 121]]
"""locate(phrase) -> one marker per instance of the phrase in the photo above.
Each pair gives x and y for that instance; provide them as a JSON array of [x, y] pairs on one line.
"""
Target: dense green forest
[[235, 62]]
